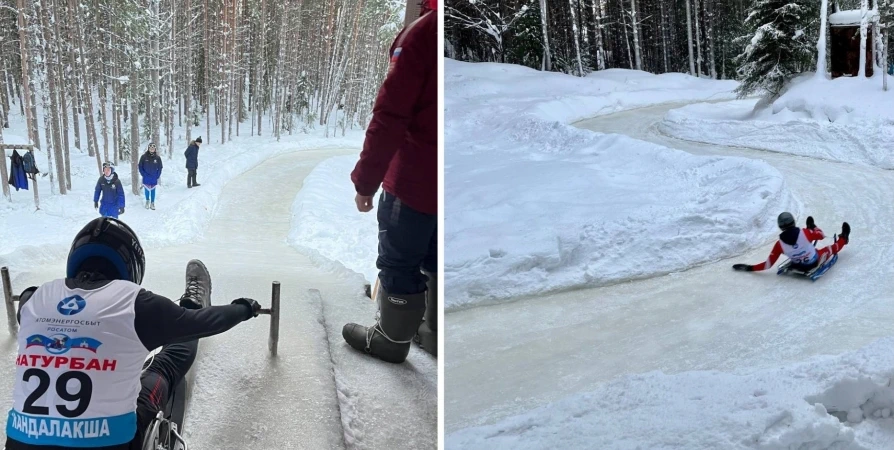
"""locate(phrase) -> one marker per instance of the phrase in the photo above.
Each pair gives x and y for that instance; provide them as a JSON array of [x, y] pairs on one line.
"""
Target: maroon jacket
[[401, 146]]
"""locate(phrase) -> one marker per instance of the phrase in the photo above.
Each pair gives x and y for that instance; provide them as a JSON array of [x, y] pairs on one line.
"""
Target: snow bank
[[840, 402], [847, 119], [534, 205], [30, 237], [325, 220]]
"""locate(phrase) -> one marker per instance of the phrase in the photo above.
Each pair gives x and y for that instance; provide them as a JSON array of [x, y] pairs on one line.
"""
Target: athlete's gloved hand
[[742, 267], [95, 205], [120, 210], [250, 303], [810, 223]]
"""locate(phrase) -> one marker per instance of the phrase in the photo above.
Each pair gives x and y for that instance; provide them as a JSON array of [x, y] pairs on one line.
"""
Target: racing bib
[[78, 367], [803, 252]]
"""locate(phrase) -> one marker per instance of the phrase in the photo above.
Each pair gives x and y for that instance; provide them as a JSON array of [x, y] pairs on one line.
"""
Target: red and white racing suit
[[802, 252]]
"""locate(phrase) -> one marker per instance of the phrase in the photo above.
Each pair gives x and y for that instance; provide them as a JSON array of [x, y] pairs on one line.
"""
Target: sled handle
[[10, 300], [273, 312]]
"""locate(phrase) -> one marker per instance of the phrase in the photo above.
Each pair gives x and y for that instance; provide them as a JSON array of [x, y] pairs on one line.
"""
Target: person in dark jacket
[[18, 177], [97, 326], [192, 162], [109, 186], [400, 152], [150, 169]]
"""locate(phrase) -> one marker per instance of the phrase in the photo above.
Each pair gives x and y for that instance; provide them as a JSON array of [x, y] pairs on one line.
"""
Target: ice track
[[505, 359], [318, 393]]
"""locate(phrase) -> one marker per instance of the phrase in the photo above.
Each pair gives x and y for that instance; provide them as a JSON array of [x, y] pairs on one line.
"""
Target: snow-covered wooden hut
[[844, 31]]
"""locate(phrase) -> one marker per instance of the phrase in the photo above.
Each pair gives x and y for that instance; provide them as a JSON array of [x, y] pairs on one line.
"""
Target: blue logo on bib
[[58, 344], [70, 306]]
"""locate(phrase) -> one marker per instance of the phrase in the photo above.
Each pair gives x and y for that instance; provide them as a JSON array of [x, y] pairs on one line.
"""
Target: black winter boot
[[390, 337], [198, 286], [427, 334], [845, 232]]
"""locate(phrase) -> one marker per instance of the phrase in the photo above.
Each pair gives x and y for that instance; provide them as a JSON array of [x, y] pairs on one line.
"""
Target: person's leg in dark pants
[[427, 335], [165, 371], [404, 239]]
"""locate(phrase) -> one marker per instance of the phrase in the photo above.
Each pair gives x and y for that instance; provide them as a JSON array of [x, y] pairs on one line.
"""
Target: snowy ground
[[318, 392], [704, 358], [847, 119], [326, 223], [542, 206], [828, 402]]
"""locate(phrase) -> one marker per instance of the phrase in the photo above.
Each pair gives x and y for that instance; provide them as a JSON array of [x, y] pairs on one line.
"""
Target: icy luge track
[[705, 318], [318, 393]]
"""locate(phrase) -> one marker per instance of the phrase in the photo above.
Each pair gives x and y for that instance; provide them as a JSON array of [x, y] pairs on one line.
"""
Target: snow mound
[[840, 402], [847, 120], [326, 223], [541, 206]]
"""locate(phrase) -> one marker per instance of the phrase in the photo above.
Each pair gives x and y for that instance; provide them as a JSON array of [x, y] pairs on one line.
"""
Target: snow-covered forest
[[700, 37], [210, 68]]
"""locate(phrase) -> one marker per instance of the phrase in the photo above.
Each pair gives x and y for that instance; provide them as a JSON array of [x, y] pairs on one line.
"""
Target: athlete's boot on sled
[[427, 334], [391, 336], [198, 286], [845, 232]]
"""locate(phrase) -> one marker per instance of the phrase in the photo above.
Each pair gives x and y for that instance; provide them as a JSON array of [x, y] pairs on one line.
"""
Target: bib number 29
[[82, 395]]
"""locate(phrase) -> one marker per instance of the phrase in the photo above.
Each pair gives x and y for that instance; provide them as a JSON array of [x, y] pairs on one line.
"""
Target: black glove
[[810, 223], [120, 210], [251, 304], [95, 205], [742, 267]]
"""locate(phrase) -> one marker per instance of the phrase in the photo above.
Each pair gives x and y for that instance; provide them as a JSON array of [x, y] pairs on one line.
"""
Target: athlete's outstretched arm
[[774, 255], [159, 321]]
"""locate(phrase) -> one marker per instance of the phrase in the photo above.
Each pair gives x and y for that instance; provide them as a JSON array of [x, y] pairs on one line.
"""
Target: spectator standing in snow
[[401, 153], [192, 162], [150, 169], [109, 186]]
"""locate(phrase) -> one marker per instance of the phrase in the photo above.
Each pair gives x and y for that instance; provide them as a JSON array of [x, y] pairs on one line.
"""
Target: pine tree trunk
[[626, 36], [580, 64], [689, 34], [636, 47], [188, 72], [86, 89], [261, 66], [663, 30], [27, 84], [709, 35], [821, 42], [600, 38], [698, 42], [864, 22], [207, 77], [547, 58], [134, 146], [4, 172], [51, 107]]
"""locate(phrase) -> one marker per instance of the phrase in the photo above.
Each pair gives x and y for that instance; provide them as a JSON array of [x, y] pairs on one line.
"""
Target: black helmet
[[114, 242], [785, 220]]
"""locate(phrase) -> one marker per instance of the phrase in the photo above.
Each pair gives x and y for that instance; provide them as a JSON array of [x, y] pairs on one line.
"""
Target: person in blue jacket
[[192, 162], [109, 186], [150, 169]]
